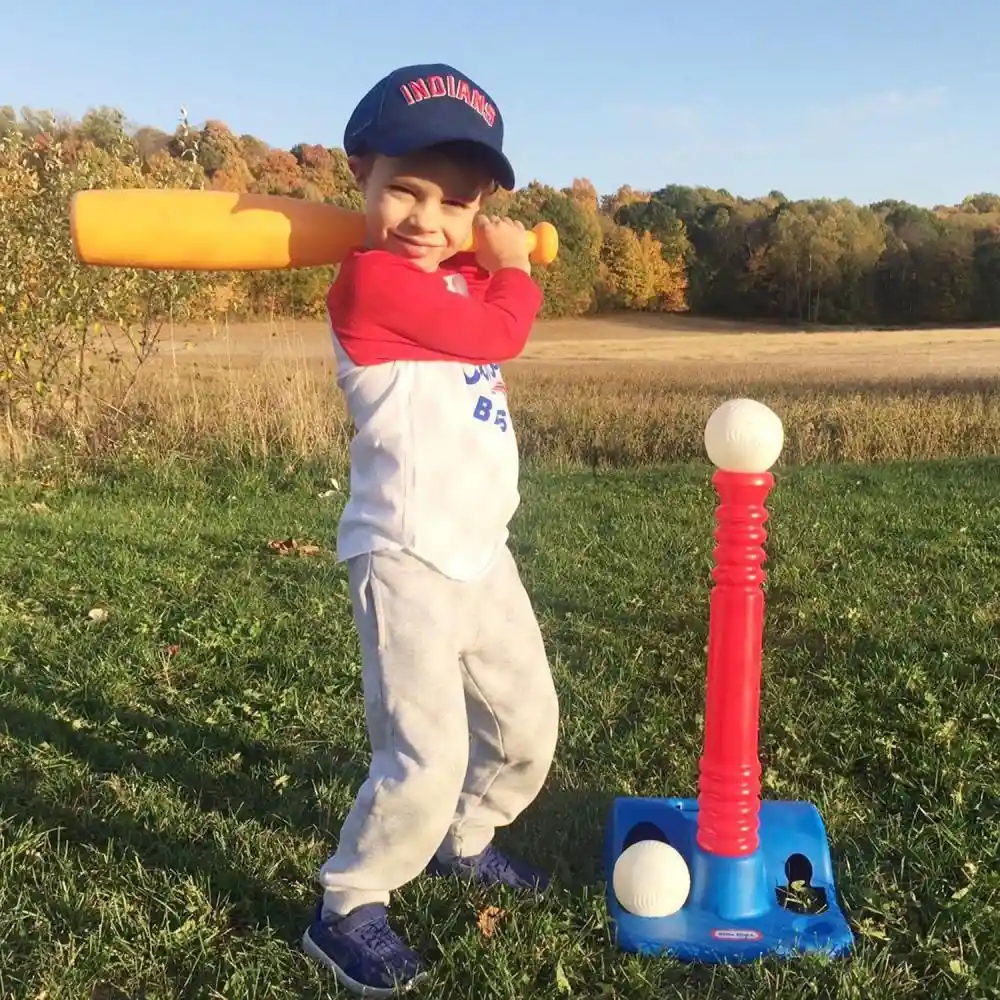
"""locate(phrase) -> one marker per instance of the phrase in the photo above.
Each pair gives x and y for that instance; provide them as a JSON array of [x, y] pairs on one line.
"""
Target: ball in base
[[651, 879]]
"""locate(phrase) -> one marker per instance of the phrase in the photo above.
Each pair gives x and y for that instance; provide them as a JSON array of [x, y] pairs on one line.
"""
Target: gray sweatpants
[[462, 716]]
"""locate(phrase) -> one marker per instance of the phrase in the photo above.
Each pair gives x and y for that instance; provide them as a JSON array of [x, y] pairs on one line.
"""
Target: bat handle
[[543, 243], [542, 240]]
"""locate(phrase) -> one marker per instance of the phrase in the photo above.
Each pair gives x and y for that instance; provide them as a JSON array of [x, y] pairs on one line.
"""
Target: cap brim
[[403, 144]]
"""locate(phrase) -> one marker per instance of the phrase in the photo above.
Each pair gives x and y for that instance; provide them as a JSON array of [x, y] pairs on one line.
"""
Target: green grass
[[163, 810]]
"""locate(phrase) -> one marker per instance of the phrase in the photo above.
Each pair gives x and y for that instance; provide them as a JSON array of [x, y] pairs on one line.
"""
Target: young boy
[[460, 704]]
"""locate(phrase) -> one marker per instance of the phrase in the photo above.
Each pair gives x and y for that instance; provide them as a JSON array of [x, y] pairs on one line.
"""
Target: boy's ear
[[360, 167]]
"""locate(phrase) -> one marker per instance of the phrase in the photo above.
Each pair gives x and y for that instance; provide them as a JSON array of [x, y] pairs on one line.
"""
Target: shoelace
[[496, 864], [379, 936]]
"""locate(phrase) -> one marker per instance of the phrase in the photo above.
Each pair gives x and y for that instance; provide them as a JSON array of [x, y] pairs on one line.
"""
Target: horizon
[[711, 97]]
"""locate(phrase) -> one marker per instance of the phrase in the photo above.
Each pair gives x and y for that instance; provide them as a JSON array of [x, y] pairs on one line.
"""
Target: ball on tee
[[651, 879], [743, 435]]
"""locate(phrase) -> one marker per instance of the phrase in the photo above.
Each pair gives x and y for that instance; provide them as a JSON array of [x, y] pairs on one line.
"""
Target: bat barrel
[[180, 229], [172, 229]]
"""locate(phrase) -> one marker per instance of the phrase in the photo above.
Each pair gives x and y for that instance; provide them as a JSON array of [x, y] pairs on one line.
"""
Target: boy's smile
[[422, 206]]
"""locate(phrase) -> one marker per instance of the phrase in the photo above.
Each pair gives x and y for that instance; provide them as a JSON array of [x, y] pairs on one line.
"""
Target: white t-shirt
[[434, 459]]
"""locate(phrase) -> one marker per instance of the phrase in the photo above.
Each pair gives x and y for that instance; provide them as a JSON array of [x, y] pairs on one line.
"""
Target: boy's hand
[[501, 243]]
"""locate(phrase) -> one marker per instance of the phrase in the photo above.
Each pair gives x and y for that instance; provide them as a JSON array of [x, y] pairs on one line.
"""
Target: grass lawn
[[172, 776]]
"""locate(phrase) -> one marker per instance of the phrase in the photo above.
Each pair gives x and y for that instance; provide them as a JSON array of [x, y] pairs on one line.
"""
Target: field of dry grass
[[607, 392], [613, 392], [692, 348]]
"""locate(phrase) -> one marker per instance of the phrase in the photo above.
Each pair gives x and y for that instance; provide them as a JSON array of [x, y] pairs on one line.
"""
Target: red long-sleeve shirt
[[385, 308]]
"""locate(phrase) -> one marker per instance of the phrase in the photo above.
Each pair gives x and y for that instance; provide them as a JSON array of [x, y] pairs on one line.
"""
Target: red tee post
[[729, 783]]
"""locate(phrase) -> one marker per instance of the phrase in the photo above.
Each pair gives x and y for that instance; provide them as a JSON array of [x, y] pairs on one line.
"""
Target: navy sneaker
[[490, 868], [366, 955]]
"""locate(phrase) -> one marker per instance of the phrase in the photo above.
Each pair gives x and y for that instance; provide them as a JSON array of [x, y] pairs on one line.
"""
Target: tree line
[[674, 249]]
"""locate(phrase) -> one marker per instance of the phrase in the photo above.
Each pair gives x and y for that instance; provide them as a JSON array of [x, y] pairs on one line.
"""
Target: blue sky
[[890, 98]]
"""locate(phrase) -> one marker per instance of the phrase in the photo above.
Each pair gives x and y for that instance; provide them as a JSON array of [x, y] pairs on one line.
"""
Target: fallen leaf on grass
[[292, 546], [562, 983], [489, 920]]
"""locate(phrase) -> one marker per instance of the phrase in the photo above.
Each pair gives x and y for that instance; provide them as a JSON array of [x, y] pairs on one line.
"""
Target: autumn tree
[[254, 152], [637, 276], [326, 175], [986, 274], [221, 157], [8, 120], [279, 173], [583, 192], [983, 203], [57, 313], [625, 195], [150, 141], [569, 283]]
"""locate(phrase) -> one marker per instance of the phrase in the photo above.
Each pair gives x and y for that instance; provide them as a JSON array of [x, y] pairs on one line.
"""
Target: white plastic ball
[[651, 879], [743, 435]]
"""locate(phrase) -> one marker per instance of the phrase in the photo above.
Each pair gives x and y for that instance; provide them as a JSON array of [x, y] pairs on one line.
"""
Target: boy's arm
[[384, 308]]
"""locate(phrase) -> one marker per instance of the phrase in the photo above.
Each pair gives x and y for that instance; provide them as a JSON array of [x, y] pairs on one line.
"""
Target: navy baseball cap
[[423, 105]]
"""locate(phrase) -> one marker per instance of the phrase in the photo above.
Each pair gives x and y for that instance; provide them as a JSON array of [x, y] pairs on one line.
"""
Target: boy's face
[[421, 206]]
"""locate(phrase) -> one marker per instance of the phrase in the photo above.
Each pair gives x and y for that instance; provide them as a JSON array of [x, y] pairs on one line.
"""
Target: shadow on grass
[[121, 838], [235, 792], [103, 833], [562, 832]]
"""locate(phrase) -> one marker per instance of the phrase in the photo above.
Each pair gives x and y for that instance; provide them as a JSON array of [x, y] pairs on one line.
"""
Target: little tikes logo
[[736, 934], [427, 88]]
